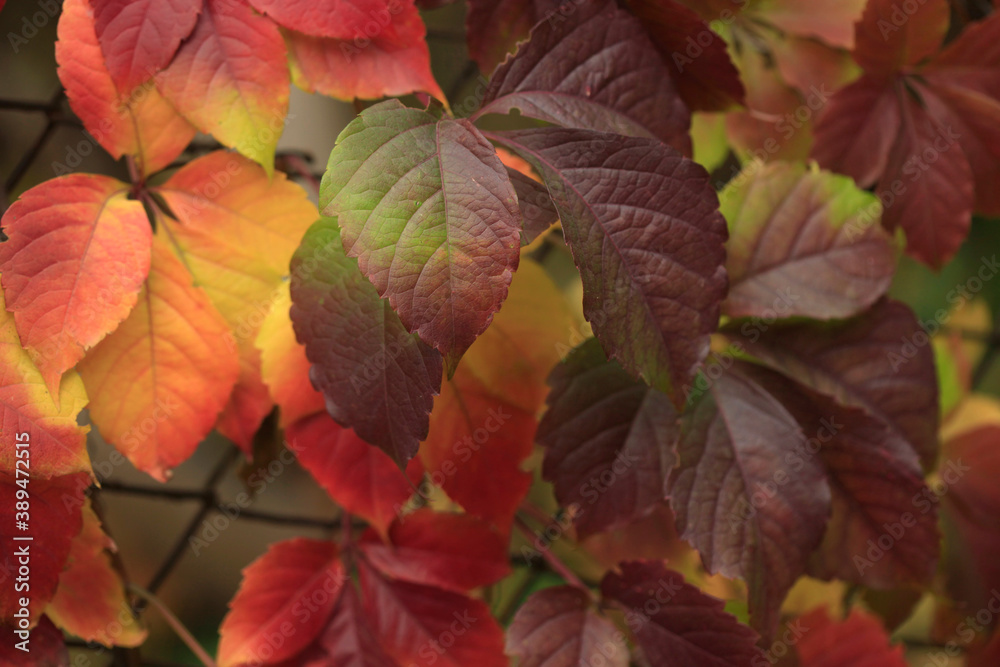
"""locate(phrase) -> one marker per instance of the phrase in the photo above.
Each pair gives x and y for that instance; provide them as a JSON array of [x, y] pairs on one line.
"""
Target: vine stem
[[553, 561], [175, 624]]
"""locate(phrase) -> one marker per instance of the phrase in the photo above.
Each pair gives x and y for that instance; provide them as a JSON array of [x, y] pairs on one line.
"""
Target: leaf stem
[[175, 624], [553, 561]]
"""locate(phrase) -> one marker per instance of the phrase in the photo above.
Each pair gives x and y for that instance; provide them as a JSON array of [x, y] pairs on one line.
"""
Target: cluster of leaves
[[746, 367]]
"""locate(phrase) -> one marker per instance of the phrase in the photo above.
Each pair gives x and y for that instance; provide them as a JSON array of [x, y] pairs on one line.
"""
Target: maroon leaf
[[426, 206], [494, 27], [426, 626], [800, 246], [376, 377], [674, 623], [860, 640], [537, 210], [881, 361], [878, 535], [609, 439], [557, 627], [45, 646], [139, 37], [734, 498], [645, 232], [703, 73], [456, 552], [927, 186], [595, 69]]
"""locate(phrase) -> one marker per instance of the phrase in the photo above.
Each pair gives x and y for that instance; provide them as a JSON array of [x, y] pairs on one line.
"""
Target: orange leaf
[[161, 379], [135, 120], [229, 78], [77, 255], [90, 602], [56, 444], [284, 366], [249, 403]]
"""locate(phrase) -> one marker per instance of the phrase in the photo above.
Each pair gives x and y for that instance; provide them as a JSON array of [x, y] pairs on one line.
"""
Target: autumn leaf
[[296, 581], [736, 441], [139, 39], [230, 80], [649, 250], [858, 640], [160, 380], [558, 627], [456, 552], [413, 622], [52, 517], [889, 39], [347, 640], [483, 423], [674, 622], [494, 27], [284, 367], [595, 69], [58, 445], [426, 206], [249, 403], [124, 112], [367, 50], [46, 644], [377, 378], [90, 602], [609, 441], [794, 233], [76, 258], [703, 74], [880, 361], [362, 479]]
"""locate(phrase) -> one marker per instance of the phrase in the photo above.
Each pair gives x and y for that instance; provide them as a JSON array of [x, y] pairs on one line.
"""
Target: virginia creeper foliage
[[600, 364]]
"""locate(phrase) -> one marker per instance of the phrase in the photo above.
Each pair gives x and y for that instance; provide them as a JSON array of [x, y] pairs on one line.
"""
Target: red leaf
[[249, 403], [139, 38], [365, 62], [45, 647], [53, 519], [609, 440], [859, 641], [557, 627], [424, 626], [735, 440], [856, 131], [876, 362], [890, 37], [127, 117], [74, 265], [456, 552], [342, 19], [229, 78], [295, 584], [674, 623], [650, 250], [595, 69], [705, 78], [359, 477]]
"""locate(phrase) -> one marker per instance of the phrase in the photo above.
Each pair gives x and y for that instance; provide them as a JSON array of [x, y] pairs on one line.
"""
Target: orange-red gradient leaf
[[296, 583], [230, 79], [159, 382], [55, 443], [90, 602], [127, 115], [72, 269]]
